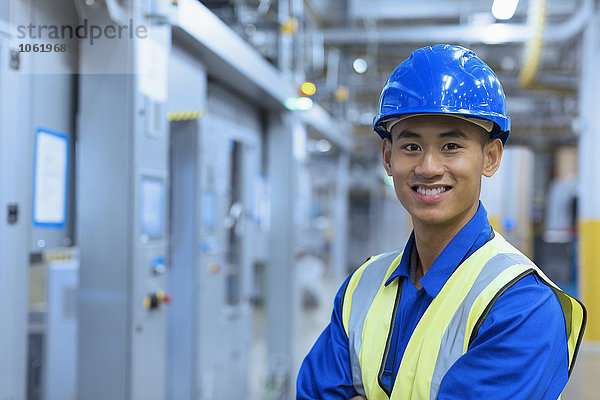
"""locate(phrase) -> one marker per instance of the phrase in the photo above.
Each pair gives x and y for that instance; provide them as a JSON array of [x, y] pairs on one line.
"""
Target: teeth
[[430, 192]]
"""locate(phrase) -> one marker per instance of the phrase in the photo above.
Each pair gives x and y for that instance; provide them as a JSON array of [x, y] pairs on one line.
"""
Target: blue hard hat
[[443, 79]]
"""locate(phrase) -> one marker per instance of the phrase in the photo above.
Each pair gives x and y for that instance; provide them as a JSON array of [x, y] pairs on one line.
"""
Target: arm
[[325, 373], [520, 351]]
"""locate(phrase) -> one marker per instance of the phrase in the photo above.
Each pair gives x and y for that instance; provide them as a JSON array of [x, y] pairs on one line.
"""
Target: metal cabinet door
[[230, 165], [215, 161]]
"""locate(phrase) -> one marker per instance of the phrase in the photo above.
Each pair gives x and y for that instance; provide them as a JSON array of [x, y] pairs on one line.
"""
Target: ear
[[386, 152], [492, 155]]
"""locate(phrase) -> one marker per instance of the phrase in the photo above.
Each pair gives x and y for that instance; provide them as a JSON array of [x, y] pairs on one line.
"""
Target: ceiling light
[[298, 103], [504, 9], [308, 88], [360, 65], [323, 145]]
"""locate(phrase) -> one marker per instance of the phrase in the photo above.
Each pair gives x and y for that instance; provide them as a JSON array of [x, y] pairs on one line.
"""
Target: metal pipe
[[313, 14], [299, 40], [472, 33], [285, 40], [572, 26]]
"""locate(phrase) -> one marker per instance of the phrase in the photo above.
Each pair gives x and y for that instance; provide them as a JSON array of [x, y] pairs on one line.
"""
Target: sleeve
[[325, 373], [520, 351]]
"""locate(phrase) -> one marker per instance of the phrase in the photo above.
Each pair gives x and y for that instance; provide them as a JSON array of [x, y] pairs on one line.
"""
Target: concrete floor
[[309, 324], [585, 380]]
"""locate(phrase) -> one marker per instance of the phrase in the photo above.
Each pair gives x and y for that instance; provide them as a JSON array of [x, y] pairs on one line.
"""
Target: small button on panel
[[159, 266], [154, 300]]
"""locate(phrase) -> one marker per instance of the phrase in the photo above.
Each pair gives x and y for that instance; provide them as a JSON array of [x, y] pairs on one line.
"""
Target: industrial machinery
[[215, 161], [122, 204]]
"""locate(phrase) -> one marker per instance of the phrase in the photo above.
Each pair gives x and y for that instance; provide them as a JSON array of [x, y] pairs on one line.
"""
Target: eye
[[411, 147], [451, 146]]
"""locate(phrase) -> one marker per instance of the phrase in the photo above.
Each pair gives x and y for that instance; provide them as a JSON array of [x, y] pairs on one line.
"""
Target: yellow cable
[[533, 47]]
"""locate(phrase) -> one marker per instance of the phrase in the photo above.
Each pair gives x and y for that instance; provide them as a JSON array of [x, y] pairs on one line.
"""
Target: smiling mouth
[[431, 191]]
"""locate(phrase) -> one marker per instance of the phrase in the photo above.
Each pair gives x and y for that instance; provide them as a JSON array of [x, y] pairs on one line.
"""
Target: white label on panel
[[50, 178], [152, 207]]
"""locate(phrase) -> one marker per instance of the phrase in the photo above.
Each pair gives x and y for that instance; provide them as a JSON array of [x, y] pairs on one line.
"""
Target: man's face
[[436, 163]]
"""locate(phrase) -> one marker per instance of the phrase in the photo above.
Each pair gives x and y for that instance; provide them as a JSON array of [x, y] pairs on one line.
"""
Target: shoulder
[[527, 304], [522, 341], [375, 266], [352, 280], [532, 291], [529, 291], [366, 280], [530, 305]]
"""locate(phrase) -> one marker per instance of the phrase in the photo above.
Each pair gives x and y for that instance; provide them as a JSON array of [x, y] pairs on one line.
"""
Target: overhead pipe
[[529, 75], [472, 33], [287, 27], [313, 14], [299, 43], [571, 27]]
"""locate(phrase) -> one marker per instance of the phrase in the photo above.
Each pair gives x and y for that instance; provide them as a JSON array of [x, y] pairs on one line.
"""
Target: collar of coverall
[[484, 123]]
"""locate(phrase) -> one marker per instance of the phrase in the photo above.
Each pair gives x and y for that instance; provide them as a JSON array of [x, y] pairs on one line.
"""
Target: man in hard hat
[[459, 313]]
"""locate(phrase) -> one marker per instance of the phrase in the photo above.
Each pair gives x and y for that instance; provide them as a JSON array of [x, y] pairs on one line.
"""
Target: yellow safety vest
[[447, 327]]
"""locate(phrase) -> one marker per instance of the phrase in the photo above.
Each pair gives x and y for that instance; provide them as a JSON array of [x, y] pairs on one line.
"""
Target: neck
[[431, 239]]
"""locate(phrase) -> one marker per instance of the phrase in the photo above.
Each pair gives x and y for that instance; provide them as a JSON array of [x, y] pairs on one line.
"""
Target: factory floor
[[309, 324], [585, 380], [584, 383]]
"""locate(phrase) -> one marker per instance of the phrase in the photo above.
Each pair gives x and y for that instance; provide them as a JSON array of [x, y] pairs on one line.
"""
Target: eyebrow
[[406, 134], [454, 133]]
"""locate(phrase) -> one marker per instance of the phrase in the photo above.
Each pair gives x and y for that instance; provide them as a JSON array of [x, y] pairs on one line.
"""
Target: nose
[[430, 165]]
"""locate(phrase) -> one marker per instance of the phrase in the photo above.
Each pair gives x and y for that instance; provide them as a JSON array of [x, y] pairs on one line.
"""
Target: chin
[[432, 218], [440, 216]]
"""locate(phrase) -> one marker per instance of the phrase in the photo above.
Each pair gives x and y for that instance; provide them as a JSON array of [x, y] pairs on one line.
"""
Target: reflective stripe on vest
[[364, 291], [447, 327]]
